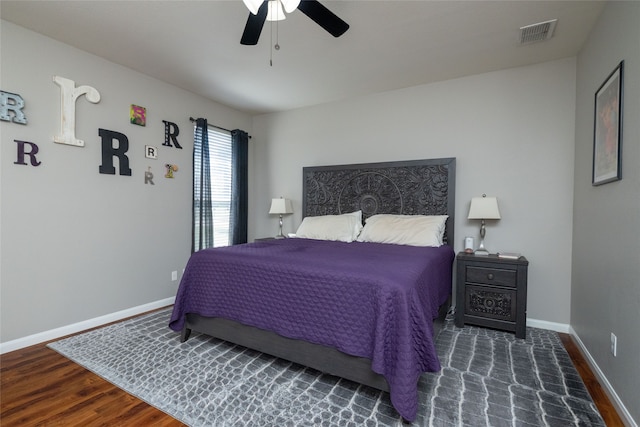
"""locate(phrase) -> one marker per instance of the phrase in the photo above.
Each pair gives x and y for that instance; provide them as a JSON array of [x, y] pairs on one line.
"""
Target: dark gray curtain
[[202, 210], [239, 187]]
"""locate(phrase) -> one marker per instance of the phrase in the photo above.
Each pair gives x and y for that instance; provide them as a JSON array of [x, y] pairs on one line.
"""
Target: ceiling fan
[[272, 10]]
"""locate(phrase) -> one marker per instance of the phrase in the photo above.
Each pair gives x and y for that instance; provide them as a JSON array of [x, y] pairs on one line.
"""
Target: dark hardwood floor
[[599, 396], [39, 387]]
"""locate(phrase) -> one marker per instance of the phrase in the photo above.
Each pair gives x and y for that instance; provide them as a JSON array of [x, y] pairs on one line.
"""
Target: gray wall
[[512, 132], [605, 292], [77, 244]]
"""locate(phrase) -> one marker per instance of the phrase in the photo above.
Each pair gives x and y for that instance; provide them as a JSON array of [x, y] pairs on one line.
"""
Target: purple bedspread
[[366, 299]]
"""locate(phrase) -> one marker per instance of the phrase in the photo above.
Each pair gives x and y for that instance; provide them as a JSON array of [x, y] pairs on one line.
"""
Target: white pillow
[[357, 228], [343, 228], [412, 230]]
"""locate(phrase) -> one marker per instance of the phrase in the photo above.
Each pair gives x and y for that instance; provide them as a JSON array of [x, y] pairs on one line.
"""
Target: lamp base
[[280, 235], [481, 251]]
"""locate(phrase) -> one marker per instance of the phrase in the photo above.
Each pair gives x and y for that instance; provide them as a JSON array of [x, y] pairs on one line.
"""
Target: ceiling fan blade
[[323, 17], [254, 26]]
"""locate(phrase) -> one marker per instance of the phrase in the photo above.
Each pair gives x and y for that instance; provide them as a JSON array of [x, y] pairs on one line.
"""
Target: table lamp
[[280, 207], [483, 208]]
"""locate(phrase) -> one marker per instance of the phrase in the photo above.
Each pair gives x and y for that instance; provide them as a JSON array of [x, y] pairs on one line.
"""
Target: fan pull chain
[[275, 46]]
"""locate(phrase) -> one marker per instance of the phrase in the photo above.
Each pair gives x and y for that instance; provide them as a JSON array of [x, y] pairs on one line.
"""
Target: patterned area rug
[[489, 378]]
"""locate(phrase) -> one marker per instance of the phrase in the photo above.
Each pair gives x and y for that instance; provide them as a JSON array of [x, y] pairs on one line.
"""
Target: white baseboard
[[81, 326], [552, 326], [604, 382]]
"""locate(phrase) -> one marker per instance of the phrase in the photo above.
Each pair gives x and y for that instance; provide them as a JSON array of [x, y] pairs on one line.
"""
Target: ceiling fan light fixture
[[275, 11], [253, 5], [272, 10], [290, 5]]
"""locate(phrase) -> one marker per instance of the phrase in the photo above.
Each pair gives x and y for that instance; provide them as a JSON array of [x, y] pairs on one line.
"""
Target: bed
[[361, 310]]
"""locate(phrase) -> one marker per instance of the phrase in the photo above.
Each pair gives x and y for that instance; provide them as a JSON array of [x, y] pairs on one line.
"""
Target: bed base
[[322, 358]]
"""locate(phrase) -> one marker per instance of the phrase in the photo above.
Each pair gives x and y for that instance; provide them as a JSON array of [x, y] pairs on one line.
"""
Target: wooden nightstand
[[492, 292], [263, 239]]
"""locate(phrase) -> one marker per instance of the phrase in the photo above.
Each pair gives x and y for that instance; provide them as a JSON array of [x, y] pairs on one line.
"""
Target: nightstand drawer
[[491, 276], [490, 302]]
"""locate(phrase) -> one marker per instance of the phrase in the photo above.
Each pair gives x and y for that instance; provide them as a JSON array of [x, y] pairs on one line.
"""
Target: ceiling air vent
[[537, 32]]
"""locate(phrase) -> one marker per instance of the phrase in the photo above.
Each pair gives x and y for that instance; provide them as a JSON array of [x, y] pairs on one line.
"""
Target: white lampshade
[[275, 11], [253, 5], [484, 208], [290, 5], [280, 207]]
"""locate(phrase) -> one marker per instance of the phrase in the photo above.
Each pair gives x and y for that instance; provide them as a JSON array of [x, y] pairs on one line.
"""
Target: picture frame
[[607, 131], [138, 115]]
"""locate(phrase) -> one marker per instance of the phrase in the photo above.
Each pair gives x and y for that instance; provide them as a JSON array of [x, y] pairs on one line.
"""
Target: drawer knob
[[490, 276]]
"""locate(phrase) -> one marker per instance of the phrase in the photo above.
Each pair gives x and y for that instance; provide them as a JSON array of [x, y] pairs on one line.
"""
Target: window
[[220, 186], [219, 191]]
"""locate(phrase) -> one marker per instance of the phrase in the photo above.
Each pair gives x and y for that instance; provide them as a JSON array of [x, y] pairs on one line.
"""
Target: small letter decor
[[171, 132], [14, 103], [148, 177], [150, 152], [33, 150], [170, 170]]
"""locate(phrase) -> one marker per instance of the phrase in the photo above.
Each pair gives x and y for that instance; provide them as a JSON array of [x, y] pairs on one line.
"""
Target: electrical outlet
[[174, 276], [614, 344]]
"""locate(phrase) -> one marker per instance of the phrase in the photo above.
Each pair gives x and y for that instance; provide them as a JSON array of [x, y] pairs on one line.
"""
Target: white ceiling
[[391, 44]]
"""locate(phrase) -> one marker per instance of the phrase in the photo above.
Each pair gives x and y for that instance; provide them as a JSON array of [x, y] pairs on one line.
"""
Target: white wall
[[77, 244], [512, 133], [606, 247]]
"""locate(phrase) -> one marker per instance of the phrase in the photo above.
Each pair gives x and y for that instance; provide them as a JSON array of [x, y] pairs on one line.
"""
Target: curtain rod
[[214, 126]]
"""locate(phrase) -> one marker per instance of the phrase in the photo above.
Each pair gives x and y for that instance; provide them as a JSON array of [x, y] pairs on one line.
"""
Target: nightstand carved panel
[[492, 292], [488, 302]]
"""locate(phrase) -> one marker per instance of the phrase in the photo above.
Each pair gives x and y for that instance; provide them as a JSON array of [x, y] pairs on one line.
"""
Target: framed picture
[[607, 133], [138, 115]]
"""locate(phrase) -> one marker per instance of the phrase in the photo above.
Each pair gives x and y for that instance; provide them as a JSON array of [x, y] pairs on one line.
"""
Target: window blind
[[218, 195], [221, 165]]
